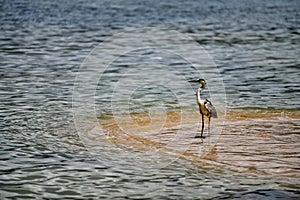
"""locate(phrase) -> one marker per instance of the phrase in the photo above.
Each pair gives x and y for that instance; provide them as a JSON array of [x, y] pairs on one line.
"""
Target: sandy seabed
[[262, 142]]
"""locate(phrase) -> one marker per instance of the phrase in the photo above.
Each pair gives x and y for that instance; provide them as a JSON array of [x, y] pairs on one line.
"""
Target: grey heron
[[205, 106]]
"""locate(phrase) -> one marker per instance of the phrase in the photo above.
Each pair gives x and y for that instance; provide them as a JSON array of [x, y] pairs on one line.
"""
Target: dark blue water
[[255, 45]]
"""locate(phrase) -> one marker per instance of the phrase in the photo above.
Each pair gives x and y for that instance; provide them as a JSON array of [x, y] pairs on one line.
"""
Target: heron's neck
[[198, 95]]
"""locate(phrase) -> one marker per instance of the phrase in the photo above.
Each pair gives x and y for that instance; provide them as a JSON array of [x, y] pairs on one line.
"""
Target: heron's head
[[200, 81]]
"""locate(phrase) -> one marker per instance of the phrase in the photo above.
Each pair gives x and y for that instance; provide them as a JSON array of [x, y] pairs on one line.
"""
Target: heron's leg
[[209, 125], [202, 125]]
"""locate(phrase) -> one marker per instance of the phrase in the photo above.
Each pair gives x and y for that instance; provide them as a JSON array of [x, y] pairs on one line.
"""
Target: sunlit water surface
[[256, 48]]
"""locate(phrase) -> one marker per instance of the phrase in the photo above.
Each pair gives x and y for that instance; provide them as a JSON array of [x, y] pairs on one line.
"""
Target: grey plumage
[[208, 105]]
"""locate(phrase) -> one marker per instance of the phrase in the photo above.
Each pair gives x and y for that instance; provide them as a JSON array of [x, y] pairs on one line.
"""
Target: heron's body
[[205, 106]]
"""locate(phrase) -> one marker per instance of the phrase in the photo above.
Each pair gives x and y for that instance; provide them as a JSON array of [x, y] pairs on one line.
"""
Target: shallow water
[[253, 148]]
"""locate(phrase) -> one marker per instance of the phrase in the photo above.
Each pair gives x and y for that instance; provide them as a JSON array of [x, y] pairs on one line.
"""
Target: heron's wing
[[212, 110]]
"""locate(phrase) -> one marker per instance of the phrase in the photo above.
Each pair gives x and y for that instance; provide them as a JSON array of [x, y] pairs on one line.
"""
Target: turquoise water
[[255, 46]]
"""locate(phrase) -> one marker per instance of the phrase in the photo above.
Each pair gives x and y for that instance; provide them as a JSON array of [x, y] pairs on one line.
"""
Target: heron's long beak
[[193, 81]]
